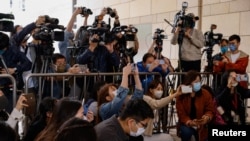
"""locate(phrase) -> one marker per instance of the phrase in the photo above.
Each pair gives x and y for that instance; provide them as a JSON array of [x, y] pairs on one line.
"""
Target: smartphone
[[186, 89], [133, 67], [31, 102], [242, 77], [161, 61]]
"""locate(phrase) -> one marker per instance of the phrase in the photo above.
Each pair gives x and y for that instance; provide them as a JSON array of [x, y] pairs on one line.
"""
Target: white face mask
[[235, 84], [85, 118], [158, 94], [139, 132]]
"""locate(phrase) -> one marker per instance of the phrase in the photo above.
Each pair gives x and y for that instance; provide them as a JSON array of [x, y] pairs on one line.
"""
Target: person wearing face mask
[[150, 64], [132, 121], [154, 97], [234, 59], [111, 99], [218, 57], [192, 42], [194, 109], [59, 66], [230, 99]]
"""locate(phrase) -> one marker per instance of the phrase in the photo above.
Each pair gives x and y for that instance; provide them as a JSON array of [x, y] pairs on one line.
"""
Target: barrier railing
[[13, 80], [67, 76]]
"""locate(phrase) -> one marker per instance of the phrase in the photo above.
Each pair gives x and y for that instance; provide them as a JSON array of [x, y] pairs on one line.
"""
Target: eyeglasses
[[143, 125]]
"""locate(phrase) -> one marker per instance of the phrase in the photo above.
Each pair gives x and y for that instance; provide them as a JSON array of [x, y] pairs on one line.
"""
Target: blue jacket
[[147, 80], [62, 45], [99, 60], [14, 59], [113, 107]]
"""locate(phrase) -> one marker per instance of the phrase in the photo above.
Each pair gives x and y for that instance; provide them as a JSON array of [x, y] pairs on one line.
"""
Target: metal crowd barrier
[[73, 76], [13, 80]]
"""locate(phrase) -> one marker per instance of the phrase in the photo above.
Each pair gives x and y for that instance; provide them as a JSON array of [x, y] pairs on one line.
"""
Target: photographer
[[192, 42], [156, 51], [69, 34], [12, 62]]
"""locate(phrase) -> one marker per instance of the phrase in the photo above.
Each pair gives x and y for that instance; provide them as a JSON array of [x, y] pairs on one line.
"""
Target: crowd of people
[[124, 110]]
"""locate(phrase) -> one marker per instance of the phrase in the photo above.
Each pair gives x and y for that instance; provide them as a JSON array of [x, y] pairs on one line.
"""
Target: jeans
[[187, 132]]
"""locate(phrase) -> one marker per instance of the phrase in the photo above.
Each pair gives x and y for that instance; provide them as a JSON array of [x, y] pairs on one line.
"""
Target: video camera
[[187, 21], [159, 37], [111, 12], [86, 11], [211, 38], [127, 42], [47, 31], [5, 22]]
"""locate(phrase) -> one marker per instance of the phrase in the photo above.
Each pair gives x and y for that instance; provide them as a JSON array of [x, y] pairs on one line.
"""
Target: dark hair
[[153, 85], [7, 133], [103, 92], [190, 76], [234, 37], [4, 41], [225, 76], [224, 40], [76, 129], [64, 110], [146, 56], [57, 56], [97, 86], [137, 109]]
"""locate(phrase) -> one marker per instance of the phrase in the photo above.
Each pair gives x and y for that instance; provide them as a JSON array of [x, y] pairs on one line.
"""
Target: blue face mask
[[1, 51], [232, 47], [197, 86], [224, 49]]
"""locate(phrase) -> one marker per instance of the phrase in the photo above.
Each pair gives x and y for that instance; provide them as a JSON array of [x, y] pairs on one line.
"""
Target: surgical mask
[[60, 68], [158, 94], [197, 86], [224, 49], [85, 118], [148, 66], [139, 132], [232, 47], [114, 93], [235, 84]]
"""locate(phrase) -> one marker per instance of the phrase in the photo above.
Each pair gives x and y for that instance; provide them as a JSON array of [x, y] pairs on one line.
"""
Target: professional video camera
[[86, 11], [102, 32], [127, 41], [5, 22], [181, 16], [210, 40], [158, 38], [47, 33], [110, 12]]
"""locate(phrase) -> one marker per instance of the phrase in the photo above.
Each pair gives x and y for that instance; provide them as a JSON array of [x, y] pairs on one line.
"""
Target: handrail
[[13, 80]]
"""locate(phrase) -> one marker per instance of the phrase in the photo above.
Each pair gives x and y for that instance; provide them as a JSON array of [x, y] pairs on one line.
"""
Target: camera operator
[[13, 62], [69, 34], [234, 59], [19, 38], [193, 41], [157, 52]]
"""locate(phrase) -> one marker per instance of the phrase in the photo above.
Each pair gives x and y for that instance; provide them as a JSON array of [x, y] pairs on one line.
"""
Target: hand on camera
[[40, 20], [21, 102], [110, 47], [77, 11], [75, 69]]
